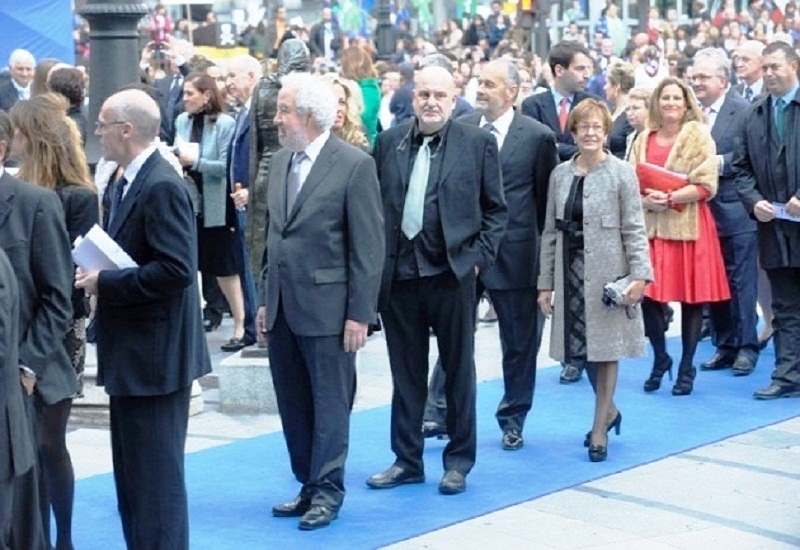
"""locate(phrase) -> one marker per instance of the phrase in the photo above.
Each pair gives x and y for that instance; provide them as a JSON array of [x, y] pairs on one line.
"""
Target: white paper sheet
[[97, 251], [781, 214]]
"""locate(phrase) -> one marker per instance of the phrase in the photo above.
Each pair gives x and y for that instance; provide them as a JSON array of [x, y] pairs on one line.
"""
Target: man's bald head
[[434, 98]]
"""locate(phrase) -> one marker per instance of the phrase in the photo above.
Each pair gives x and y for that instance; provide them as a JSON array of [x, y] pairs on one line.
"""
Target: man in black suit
[[17, 456], [734, 322], [767, 171], [34, 236], [527, 156], [150, 342], [572, 67], [326, 37], [170, 91], [445, 215], [320, 287], [747, 59], [242, 76], [21, 65]]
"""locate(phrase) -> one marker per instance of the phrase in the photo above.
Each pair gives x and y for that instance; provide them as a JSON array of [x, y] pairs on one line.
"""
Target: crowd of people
[[322, 194]]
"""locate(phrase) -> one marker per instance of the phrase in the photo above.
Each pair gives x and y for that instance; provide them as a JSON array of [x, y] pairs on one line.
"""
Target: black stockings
[[655, 325], [57, 481]]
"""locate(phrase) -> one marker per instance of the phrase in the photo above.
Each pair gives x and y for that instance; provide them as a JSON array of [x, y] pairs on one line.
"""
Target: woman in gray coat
[[594, 234]]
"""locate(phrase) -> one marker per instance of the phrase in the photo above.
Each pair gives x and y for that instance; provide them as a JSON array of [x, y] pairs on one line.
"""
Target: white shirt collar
[[313, 149], [757, 87], [717, 105], [132, 170], [503, 122]]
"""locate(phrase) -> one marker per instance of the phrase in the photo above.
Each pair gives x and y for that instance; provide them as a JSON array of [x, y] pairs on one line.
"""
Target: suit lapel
[[550, 114], [135, 187], [723, 121], [6, 196], [280, 163], [403, 157], [512, 139], [322, 166]]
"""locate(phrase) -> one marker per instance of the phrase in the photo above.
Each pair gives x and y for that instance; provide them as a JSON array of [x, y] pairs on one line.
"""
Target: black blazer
[[150, 338], [16, 452], [729, 213], [81, 212], [8, 95], [33, 235], [527, 157], [470, 191], [618, 137], [753, 167], [162, 86], [542, 107]]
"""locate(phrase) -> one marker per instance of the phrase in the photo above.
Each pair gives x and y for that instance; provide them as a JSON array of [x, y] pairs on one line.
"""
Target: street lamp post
[[384, 33]]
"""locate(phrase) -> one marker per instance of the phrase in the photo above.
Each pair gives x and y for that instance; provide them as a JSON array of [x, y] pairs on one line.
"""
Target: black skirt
[[217, 248]]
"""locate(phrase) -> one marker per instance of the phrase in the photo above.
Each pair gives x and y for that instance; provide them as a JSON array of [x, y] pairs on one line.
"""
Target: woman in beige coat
[[594, 234]]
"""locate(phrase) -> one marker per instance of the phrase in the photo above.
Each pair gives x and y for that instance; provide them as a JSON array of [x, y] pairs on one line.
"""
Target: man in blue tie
[[241, 78], [768, 180]]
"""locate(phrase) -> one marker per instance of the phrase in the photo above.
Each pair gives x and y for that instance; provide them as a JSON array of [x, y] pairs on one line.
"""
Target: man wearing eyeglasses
[[733, 323]]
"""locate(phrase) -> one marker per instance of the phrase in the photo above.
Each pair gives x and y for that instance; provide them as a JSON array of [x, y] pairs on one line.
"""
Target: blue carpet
[[232, 487]]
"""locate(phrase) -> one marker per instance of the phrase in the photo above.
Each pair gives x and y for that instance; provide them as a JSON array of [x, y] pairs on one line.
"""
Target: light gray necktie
[[415, 195], [748, 94], [293, 181]]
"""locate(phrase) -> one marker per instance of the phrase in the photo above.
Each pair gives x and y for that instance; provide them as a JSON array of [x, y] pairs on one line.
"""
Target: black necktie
[[119, 193]]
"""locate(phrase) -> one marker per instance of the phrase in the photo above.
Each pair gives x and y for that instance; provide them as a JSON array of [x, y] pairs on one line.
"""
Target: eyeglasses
[[100, 126], [702, 77], [596, 128]]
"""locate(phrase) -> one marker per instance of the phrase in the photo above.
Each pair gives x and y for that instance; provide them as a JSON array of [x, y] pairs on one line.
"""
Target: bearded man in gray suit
[[320, 282]]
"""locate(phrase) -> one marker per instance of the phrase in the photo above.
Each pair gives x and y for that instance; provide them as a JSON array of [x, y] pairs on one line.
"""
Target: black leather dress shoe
[[394, 476], [236, 344], [434, 429], [743, 366], [453, 482], [211, 324], [775, 391], [720, 360], [316, 517], [512, 439], [570, 374], [293, 509]]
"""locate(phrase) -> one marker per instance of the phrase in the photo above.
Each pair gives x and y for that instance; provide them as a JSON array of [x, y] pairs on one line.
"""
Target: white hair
[[313, 96], [141, 110], [718, 57], [246, 63], [20, 55]]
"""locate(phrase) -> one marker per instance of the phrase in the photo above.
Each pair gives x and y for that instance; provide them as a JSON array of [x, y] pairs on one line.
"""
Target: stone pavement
[[739, 493]]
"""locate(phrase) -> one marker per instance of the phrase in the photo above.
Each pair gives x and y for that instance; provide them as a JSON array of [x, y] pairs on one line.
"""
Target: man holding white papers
[[150, 343], [767, 170]]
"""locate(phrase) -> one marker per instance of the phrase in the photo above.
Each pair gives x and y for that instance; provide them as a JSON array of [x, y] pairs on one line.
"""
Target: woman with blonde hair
[[356, 65], [676, 161], [347, 125], [48, 144]]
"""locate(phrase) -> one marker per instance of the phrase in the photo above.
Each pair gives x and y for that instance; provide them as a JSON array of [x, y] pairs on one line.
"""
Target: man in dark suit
[[21, 65], [326, 37], [150, 342], [767, 171], [527, 156], [34, 236], [320, 289], [242, 76], [572, 67], [17, 456], [170, 91], [747, 60], [734, 322], [445, 216]]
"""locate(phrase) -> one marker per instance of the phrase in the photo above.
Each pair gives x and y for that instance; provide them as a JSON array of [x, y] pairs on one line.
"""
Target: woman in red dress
[[684, 246]]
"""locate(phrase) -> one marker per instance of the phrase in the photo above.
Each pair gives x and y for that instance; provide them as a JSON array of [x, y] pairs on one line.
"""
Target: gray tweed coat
[[615, 244]]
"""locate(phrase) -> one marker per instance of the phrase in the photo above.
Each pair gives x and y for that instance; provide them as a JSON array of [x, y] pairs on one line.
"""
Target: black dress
[[216, 254]]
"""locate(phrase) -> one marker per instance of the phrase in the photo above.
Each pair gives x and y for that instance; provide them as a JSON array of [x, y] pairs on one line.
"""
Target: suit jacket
[[317, 42], [81, 213], [323, 259], [527, 157], [150, 338], [542, 107], [239, 155], [754, 171], [212, 163], [472, 207], [8, 95], [16, 452], [33, 235], [165, 96], [729, 213]]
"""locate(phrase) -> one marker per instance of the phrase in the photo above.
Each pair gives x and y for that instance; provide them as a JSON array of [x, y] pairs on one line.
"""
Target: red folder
[[655, 177]]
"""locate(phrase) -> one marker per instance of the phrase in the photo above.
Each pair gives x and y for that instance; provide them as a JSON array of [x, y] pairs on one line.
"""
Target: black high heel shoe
[[598, 453], [659, 368], [762, 344], [685, 383], [616, 425]]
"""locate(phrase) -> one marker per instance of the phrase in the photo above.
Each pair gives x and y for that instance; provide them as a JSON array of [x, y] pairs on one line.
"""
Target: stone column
[[114, 60]]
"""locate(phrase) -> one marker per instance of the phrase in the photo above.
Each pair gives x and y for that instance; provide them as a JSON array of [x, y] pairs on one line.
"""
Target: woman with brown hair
[[347, 125], [619, 83], [356, 65], [48, 144], [202, 136], [676, 161]]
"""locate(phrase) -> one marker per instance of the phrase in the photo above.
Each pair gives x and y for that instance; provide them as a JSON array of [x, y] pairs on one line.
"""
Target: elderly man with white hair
[[320, 282], [20, 65], [150, 344]]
